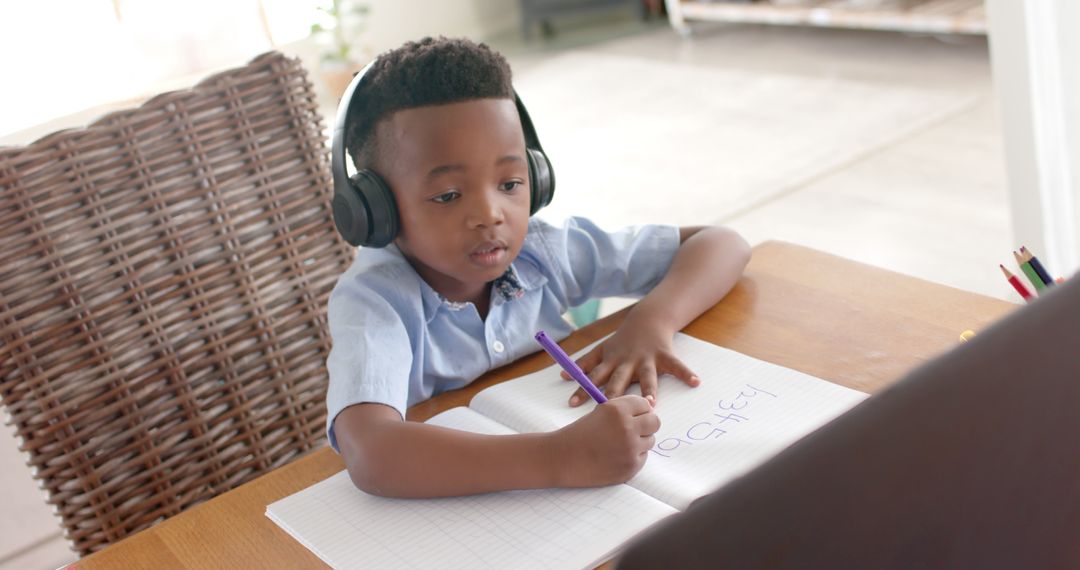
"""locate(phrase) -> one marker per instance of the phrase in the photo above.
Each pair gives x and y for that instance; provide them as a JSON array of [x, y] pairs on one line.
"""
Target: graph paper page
[[745, 411], [552, 528]]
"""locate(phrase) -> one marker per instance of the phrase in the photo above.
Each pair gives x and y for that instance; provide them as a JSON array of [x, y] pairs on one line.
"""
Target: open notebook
[[745, 411]]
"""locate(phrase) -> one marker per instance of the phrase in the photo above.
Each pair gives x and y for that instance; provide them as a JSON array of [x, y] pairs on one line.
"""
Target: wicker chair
[[162, 303]]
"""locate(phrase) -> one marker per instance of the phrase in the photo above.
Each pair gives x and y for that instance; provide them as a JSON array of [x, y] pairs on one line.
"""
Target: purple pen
[[570, 366]]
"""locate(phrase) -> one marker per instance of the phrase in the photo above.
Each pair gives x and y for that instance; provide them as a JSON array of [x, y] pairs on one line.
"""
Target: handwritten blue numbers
[[753, 392], [706, 431], [709, 428]]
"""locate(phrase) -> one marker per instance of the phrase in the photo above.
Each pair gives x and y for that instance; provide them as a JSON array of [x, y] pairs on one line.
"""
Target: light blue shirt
[[398, 342]]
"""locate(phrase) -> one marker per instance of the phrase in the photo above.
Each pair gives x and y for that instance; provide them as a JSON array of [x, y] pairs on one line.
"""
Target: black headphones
[[365, 212]]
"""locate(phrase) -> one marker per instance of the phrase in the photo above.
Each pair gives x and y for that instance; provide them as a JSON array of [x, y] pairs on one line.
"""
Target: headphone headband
[[338, 152]]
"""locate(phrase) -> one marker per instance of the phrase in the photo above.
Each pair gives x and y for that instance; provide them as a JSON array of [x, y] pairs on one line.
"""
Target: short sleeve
[[596, 263], [371, 356]]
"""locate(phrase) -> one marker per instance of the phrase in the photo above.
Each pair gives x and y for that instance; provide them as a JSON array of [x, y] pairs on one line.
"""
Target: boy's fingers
[[619, 380], [598, 377], [676, 368], [600, 374], [586, 363], [590, 360], [647, 424], [636, 405], [578, 398], [647, 379]]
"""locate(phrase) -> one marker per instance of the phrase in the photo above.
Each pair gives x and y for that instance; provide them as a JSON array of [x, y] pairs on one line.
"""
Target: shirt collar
[[507, 285], [520, 277]]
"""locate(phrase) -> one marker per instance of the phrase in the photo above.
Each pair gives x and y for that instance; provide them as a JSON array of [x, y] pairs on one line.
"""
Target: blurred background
[[928, 137]]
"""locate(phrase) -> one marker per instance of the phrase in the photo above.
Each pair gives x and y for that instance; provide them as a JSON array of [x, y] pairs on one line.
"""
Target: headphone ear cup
[[351, 213], [541, 180], [365, 212]]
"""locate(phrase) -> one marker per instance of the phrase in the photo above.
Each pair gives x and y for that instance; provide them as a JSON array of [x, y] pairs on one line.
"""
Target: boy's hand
[[608, 445], [635, 353]]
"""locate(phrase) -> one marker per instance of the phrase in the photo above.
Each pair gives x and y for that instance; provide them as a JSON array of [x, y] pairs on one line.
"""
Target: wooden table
[[836, 319]]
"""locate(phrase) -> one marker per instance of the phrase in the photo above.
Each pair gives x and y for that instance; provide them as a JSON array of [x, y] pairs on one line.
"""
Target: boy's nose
[[486, 212]]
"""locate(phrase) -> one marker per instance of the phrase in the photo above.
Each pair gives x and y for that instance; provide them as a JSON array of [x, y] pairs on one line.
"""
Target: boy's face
[[461, 181]]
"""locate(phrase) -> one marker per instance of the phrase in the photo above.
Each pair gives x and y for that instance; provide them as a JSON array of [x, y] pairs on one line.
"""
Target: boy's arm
[[706, 266], [709, 262], [389, 457]]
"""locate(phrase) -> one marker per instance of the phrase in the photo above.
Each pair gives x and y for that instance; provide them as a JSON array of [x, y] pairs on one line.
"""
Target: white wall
[[161, 46], [394, 22], [1036, 64]]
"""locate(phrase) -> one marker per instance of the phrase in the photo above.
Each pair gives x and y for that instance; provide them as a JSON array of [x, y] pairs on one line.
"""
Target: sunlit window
[[65, 56]]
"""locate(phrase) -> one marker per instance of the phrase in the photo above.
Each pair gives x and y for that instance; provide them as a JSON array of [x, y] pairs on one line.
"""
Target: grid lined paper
[[745, 411], [552, 528]]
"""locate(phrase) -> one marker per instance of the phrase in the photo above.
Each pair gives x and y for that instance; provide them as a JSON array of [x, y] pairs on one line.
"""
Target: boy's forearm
[[706, 267], [415, 460]]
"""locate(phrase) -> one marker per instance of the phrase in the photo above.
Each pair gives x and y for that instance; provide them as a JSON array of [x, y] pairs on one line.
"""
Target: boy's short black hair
[[418, 74]]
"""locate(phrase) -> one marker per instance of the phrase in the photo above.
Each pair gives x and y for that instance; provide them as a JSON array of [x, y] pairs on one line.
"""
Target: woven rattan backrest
[[163, 297]]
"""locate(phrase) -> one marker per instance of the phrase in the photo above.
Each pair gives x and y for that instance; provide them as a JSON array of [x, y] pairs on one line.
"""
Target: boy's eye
[[510, 186], [446, 197]]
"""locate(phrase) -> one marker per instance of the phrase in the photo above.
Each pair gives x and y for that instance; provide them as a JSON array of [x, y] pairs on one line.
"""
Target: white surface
[[700, 445], [547, 528], [1035, 70]]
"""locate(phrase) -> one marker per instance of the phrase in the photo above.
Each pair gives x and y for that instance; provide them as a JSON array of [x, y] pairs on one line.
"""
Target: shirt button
[[498, 346]]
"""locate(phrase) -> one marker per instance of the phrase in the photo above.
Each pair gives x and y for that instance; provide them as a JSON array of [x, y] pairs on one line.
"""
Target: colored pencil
[[1037, 266], [1016, 283], [1029, 272], [570, 367]]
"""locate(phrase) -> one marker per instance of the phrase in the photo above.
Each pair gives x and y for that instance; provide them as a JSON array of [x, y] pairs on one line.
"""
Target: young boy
[[469, 279]]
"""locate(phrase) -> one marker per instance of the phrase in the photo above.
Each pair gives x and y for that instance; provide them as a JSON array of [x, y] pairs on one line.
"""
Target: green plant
[[340, 22]]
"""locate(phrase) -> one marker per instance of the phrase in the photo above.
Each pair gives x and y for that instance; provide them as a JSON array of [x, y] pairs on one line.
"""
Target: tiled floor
[[931, 203]]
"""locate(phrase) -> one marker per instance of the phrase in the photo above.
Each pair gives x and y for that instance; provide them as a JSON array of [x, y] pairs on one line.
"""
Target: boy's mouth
[[488, 253]]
